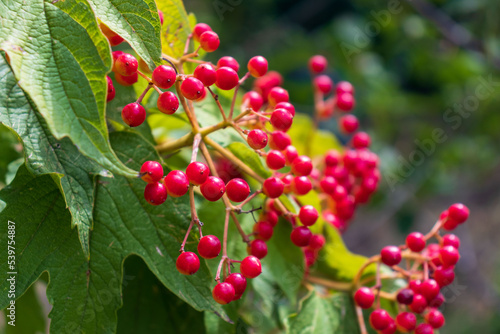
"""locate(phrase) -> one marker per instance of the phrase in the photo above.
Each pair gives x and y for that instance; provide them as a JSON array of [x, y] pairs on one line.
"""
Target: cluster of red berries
[[432, 269]]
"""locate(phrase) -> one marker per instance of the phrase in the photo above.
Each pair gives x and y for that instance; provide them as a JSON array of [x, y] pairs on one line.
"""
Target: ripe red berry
[[444, 276], [344, 87], [419, 304], [287, 106], [111, 90], [424, 329], [301, 236], [364, 297], [126, 64], [406, 322], [223, 293], [317, 64], [345, 101], [151, 171], [192, 88], [317, 242], [199, 29], [391, 329], [301, 185], [308, 215], [451, 240], [164, 76], [390, 255], [257, 248], [438, 301], [209, 247], [275, 160], [113, 38], [434, 318], [302, 166], [263, 230], [187, 263], [167, 103], [328, 184], [239, 283], [323, 83], [458, 212], [380, 319], [160, 15], [279, 140], [270, 217], [115, 55], [155, 193], [273, 187], [449, 256], [209, 41], [281, 120], [277, 95], [205, 73], [429, 289], [348, 124], [177, 183], [415, 241], [226, 78], [229, 62], [213, 188], [133, 114], [257, 66], [253, 100], [126, 80], [197, 172], [257, 139], [290, 153], [237, 190], [250, 267], [332, 158], [361, 140], [405, 296]]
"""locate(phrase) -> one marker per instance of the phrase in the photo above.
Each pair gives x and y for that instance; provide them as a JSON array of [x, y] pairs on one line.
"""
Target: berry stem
[[186, 236], [189, 113], [171, 59], [186, 46], [361, 320], [139, 100], [196, 145], [338, 286], [233, 102], [434, 231], [248, 199], [216, 98]]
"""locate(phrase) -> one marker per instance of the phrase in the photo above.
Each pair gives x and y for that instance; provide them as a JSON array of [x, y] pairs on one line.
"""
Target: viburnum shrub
[[208, 146]]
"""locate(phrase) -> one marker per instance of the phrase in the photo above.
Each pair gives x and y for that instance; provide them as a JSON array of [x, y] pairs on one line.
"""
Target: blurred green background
[[418, 67]]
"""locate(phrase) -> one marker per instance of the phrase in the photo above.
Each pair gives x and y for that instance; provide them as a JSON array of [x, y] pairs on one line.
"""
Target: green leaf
[[249, 157], [8, 142], [176, 27], [64, 76], [136, 21]]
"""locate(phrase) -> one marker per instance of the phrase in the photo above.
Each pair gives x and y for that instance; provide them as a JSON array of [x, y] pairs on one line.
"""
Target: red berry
[[115, 55], [308, 215], [348, 124], [237, 190], [323, 83], [151, 171], [257, 139], [405, 296], [213, 188], [126, 64], [160, 14], [113, 38], [199, 29], [209, 41], [390, 255], [391, 329], [197, 173], [332, 158], [301, 185], [277, 95], [133, 114], [228, 62], [290, 153], [344, 87], [271, 217], [458, 212], [361, 140], [317, 242], [317, 64], [257, 248], [253, 100], [275, 160], [205, 73], [223, 293], [226, 78], [328, 184], [419, 304], [177, 183], [415, 285], [449, 256], [380, 319], [279, 140], [164, 76], [167, 103], [451, 240], [424, 329], [250, 267], [301, 236], [415, 241], [209, 247], [273, 187], [239, 283], [444, 276], [111, 90], [345, 101], [302, 166], [263, 230], [155, 193], [406, 322], [287, 106], [364, 297], [438, 301], [281, 120], [435, 319], [126, 80], [187, 263], [192, 88], [429, 289], [257, 66], [265, 83]]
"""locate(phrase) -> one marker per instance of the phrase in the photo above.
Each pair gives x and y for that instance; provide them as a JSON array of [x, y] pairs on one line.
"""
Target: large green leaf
[[249, 157], [8, 142], [137, 22], [176, 27], [64, 76]]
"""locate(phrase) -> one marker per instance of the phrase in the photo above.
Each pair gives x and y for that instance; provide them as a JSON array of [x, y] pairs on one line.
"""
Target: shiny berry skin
[[226, 78], [223, 293], [415, 285], [361, 140], [290, 153], [126, 64], [390, 255], [205, 73], [213, 188], [151, 171], [301, 236], [419, 304], [253, 99], [263, 230], [250, 267], [167, 103], [187, 263], [344, 87], [126, 80], [197, 172], [279, 140], [192, 88], [257, 66], [160, 14], [271, 217], [164, 76], [444, 276], [332, 158], [328, 184], [449, 256], [209, 41], [435, 319], [177, 183], [405, 296], [406, 321], [345, 101], [317, 64], [364, 297], [199, 29], [348, 124], [209, 247], [323, 83], [115, 55], [287, 106], [229, 62], [429, 289], [391, 329], [275, 160], [317, 242], [155, 193], [451, 240], [415, 241], [458, 213], [308, 215], [111, 90], [438, 301], [273, 187], [277, 95], [257, 139], [239, 283], [424, 329], [133, 114], [237, 190], [380, 319], [281, 120], [302, 166], [301, 185], [257, 248]]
